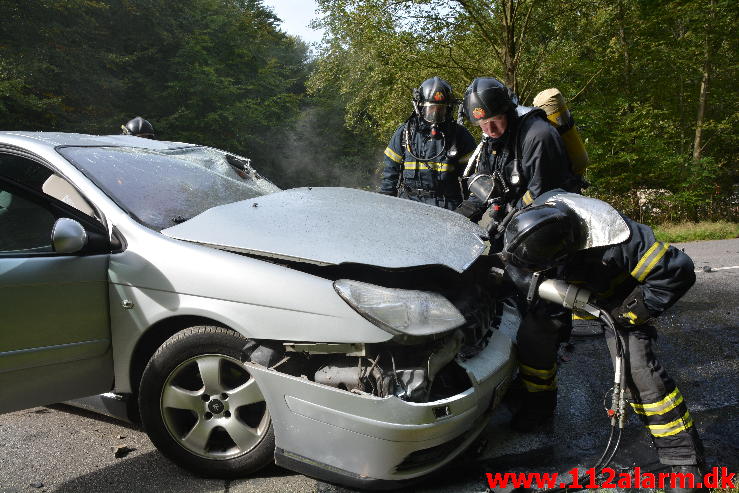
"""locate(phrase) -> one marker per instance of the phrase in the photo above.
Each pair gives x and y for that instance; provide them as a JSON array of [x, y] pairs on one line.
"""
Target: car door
[[54, 320]]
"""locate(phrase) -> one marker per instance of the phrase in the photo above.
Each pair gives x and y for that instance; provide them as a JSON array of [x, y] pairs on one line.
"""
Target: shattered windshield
[[161, 188]]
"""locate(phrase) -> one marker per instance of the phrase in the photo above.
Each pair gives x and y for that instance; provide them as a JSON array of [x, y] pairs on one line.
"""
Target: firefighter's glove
[[469, 209], [632, 312]]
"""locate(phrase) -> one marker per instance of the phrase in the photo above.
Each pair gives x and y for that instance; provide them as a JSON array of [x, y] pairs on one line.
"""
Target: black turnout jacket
[[431, 179], [532, 149], [612, 272]]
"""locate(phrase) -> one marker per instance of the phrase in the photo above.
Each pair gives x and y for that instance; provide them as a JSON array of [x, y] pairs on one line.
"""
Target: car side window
[[40, 179], [25, 226], [26, 215]]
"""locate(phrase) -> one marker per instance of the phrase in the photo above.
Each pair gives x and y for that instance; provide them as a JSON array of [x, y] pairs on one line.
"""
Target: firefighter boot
[[680, 479], [536, 409]]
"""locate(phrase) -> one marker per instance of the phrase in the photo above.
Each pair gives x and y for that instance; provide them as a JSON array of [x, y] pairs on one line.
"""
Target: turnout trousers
[[654, 396]]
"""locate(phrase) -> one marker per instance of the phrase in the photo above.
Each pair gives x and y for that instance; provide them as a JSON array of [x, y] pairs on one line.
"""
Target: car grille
[[430, 456]]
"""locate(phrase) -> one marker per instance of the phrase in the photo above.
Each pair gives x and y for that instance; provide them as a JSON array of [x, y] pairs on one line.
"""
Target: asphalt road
[[63, 449]]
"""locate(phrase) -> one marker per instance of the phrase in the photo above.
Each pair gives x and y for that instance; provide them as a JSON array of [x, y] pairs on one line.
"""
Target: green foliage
[[217, 72], [631, 68], [687, 231], [222, 73]]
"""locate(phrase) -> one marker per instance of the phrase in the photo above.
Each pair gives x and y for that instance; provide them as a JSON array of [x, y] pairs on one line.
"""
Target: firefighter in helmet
[[138, 127], [427, 154], [586, 242], [520, 151]]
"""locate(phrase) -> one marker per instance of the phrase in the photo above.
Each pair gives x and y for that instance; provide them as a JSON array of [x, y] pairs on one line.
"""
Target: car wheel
[[202, 408]]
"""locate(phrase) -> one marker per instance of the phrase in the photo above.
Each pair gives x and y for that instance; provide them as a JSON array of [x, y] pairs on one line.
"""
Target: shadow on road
[[152, 472]]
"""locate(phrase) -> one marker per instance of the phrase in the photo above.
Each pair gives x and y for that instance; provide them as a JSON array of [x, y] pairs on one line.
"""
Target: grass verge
[[687, 231]]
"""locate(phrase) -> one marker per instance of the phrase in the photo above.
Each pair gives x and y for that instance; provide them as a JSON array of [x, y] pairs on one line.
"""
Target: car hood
[[330, 226]]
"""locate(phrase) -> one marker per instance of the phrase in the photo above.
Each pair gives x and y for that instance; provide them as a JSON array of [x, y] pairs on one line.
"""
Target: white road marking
[[718, 268]]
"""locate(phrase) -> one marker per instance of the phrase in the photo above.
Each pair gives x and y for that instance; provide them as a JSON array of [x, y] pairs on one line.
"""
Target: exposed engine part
[[327, 348], [343, 377], [407, 373], [409, 384], [414, 384]]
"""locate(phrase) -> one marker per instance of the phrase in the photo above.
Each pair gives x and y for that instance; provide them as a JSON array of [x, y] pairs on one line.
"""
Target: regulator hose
[[410, 132]]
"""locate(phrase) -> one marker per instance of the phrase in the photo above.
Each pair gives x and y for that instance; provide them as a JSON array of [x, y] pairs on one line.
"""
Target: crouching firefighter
[[630, 275], [427, 154]]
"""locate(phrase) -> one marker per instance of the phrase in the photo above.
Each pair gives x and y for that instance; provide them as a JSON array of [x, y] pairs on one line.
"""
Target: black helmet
[[433, 100], [541, 236], [138, 127], [487, 97]]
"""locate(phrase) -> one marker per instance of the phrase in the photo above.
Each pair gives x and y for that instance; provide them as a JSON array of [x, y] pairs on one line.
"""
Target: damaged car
[[244, 324]]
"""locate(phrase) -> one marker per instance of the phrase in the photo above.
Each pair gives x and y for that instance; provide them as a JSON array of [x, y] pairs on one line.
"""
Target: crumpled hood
[[338, 225]]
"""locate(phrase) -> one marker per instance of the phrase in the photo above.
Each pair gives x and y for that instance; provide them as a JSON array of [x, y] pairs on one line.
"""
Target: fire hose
[[577, 298]]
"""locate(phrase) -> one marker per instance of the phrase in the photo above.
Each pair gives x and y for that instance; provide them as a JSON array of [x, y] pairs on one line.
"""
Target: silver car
[[341, 333]]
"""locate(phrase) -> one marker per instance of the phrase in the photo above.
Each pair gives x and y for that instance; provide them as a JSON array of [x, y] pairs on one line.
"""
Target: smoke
[[319, 151]]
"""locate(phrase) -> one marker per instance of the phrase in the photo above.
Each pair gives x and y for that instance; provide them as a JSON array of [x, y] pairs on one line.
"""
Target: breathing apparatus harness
[[448, 142]]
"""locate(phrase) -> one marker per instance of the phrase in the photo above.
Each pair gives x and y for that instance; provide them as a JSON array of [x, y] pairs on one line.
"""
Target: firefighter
[[427, 154], [521, 151], [586, 242], [138, 127]]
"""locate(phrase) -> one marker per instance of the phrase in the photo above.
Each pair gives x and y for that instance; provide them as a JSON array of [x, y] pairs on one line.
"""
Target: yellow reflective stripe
[[653, 406], [686, 417], [644, 258], [651, 265], [687, 425], [661, 411], [674, 427], [632, 317], [649, 260], [393, 155], [543, 374], [582, 316], [434, 166], [528, 198], [535, 387]]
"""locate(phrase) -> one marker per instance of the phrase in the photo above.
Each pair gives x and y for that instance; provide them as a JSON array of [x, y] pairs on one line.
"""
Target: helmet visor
[[435, 112], [539, 255]]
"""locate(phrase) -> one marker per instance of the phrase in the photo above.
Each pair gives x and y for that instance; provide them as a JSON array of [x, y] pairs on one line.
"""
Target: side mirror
[[68, 236]]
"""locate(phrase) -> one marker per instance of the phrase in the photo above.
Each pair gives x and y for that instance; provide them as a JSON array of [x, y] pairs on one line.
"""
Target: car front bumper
[[362, 440]]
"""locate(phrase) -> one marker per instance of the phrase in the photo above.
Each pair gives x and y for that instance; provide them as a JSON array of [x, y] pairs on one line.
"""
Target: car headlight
[[400, 311]]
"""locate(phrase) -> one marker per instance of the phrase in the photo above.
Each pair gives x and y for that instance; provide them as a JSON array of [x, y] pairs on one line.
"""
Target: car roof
[[56, 139]]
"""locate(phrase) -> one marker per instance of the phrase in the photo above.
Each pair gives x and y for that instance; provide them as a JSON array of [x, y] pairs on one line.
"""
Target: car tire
[[202, 409]]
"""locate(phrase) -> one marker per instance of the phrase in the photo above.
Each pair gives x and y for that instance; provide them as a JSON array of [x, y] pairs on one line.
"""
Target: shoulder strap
[[474, 160]]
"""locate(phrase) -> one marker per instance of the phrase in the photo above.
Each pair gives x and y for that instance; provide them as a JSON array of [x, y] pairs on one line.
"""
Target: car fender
[[157, 278]]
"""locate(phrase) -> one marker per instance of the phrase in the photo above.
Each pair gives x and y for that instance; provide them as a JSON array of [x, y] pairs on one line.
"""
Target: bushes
[[687, 231]]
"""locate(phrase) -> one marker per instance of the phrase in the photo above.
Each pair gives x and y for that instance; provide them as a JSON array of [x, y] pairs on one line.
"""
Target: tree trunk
[[509, 24], [625, 47], [703, 98]]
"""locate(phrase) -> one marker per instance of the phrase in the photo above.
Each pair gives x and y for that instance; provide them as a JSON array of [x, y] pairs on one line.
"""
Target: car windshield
[[161, 188]]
